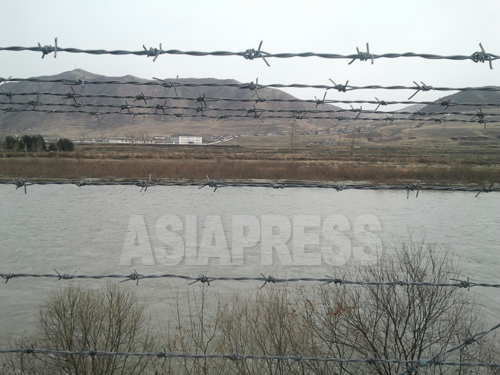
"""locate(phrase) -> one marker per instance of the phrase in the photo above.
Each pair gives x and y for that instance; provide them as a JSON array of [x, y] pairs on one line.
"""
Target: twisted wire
[[135, 276], [403, 186], [251, 54], [242, 116], [235, 357], [160, 97], [434, 360], [163, 107], [251, 86]]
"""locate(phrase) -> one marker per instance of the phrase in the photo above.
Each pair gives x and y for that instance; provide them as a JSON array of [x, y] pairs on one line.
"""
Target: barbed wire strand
[[251, 54], [237, 357], [169, 83], [434, 360], [73, 95], [163, 107], [256, 115], [135, 276], [418, 186]]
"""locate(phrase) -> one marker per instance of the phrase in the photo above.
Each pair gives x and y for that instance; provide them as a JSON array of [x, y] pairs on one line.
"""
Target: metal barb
[[201, 99], [412, 187], [482, 56], [168, 84], [380, 102], [424, 87], [48, 49], [82, 183], [34, 103], [125, 107], [139, 97], [463, 283], [444, 103], [8, 276], [479, 115], [20, 183], [340, 187], [363, 56], [252, 87], [268, 279], [358, 110], [251, 54], [339, 88], [95, 113], [211, 183], [134, 277], [143, 184], [162, 107], [333, 280], [8, 94], [390, 119], [153, 52], [485, 189], [320, 102], [64, 276], [202, 279]]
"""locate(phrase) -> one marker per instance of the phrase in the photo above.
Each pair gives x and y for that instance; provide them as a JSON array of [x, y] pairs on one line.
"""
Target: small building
[[186, 139]]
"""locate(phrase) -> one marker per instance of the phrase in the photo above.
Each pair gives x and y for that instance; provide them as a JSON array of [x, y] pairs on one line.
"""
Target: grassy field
[[467, 159]]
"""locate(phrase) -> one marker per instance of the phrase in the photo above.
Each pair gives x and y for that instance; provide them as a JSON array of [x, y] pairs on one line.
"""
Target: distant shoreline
[[252, 171]]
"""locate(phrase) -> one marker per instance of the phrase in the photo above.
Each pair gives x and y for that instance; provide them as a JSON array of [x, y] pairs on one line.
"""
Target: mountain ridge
[[72, 124]]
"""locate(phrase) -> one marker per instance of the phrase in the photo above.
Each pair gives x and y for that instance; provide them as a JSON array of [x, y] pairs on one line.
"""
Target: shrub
[[340, 321], [79, 319], [27, 143], [64, 144]]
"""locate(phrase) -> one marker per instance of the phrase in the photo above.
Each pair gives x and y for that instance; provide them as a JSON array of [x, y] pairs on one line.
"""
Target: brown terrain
[[436, 151]]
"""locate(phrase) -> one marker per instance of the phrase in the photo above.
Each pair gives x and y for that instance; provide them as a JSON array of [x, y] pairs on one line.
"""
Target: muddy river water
[[232, 232]]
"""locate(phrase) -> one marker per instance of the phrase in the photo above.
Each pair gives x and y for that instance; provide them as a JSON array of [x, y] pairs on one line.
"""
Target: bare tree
[[394, 322], [78, 319], [84, 135]]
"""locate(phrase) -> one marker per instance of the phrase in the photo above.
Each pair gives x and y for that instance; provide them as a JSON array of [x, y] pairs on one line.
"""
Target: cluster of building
[[180, 139], [188, 139]]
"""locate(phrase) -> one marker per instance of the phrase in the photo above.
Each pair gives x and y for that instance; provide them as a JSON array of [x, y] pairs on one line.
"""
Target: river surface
[[116, 229]]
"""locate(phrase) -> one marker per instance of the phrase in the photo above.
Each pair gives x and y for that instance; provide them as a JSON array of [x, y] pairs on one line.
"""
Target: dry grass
[[272, 170]]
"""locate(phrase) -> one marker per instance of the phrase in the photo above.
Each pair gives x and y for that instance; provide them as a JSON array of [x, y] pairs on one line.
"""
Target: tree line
[[36, 143]]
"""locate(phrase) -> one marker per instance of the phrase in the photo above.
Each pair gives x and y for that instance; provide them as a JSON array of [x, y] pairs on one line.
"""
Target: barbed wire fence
[[135, 276], [251, 54], [412, 366], [200, 106], [145, 184]]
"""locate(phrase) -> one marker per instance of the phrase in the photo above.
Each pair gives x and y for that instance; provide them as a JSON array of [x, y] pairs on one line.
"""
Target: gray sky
[[446, 27]]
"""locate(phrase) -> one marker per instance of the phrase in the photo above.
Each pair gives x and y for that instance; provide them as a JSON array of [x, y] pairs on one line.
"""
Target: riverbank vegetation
[[192, 163], [340, 321]]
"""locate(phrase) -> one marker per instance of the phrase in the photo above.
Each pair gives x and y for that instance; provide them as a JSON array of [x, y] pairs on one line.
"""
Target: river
[[116, 229]]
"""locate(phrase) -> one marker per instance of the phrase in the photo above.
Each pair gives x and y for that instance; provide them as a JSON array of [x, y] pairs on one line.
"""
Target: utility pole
[[292, 137]]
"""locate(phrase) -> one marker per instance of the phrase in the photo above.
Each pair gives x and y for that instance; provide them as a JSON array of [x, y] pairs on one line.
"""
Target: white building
[[186, 139], [128, 140]]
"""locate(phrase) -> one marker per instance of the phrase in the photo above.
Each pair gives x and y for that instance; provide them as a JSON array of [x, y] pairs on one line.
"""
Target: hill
[[472, 96], [76, 124]]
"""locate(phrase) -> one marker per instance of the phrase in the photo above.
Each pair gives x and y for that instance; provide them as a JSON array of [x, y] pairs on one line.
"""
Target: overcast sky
[[445, 27]]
